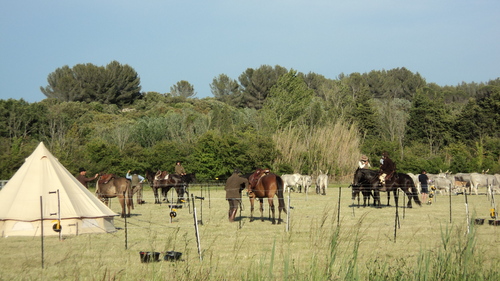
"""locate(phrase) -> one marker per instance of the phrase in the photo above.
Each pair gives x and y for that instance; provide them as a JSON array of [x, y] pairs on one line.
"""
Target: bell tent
[[43, 190]]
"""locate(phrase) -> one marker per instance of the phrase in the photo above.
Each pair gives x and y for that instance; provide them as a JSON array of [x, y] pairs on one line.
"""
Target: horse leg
[[121, 199], [261, 201], [155, 192], [410, 196], [251, 208], [376, 199], [271, 208], [389, 198]]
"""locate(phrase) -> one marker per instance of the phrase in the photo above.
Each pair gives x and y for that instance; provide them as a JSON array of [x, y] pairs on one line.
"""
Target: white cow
[[290, 181], [305, 182], [441, 182], [482, 180], [322, 183]]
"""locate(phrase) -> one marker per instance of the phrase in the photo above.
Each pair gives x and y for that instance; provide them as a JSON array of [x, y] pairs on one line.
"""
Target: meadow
[[324, 240]]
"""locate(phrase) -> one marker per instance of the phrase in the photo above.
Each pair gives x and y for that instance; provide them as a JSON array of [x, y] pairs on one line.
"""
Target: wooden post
[[196, 229], [338, 211], [466, 213], [450, 206], [41, 226]]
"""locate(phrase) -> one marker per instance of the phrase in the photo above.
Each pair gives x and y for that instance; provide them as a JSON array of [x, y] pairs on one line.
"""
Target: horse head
[[189, 178]]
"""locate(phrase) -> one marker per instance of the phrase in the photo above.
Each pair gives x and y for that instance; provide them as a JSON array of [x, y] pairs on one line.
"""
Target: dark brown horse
[[266, 185], [111, 186], [368, 180], [165, 181]]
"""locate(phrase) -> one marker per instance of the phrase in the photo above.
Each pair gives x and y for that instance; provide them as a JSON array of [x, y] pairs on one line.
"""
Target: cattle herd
[[446, 182], [298, 182]]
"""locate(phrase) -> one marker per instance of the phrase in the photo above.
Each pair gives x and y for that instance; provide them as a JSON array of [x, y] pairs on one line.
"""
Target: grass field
[[318, 246]]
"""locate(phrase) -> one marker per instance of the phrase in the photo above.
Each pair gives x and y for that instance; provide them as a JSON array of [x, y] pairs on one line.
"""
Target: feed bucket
[[172, 256], [149, 256]]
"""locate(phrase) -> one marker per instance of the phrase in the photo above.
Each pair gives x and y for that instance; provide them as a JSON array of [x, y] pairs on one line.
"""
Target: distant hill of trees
[[273, 117]]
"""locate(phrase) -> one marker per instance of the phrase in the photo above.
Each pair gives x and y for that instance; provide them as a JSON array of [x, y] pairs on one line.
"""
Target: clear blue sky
[[447, 42]]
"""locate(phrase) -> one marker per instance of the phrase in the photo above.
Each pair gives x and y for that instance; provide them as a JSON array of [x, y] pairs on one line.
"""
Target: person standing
[[364, 163], [234, 185], [424, 181], [136, 185], [82, 178], [387, 169], [179, 170]]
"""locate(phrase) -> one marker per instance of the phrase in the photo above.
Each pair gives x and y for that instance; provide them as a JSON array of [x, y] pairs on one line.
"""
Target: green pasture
[[318, 246]]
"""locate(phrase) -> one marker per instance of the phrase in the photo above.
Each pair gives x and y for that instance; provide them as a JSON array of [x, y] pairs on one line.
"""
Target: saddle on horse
[[254, 178]]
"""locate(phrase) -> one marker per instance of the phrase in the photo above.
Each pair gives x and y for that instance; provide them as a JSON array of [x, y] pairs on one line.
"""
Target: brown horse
[[110, 186], [266, 185], [165, 181]]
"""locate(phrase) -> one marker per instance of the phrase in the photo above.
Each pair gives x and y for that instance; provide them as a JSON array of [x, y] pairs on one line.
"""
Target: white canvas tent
[[42, 175]]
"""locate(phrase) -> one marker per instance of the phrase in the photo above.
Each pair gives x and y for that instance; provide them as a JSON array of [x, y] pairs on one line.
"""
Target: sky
[[446, 42]]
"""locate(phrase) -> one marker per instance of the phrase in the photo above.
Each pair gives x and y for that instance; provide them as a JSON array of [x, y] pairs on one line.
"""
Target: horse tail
[[281, 199], [414, 191]]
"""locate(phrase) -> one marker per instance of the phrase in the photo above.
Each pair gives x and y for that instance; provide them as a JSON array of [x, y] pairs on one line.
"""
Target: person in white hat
[[364, 163]]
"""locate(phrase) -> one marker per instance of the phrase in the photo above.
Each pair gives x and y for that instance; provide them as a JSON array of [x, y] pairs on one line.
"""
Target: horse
[[356, 191], [110, 186], [263, 184], [367, 180], [187, 179], [165, 181]]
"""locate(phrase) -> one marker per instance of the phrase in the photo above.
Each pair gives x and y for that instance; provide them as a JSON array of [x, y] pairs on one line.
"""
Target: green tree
[[226, 90], [257, 84], [114, 84], [429, 122], [364, 115], [288, 102], [182, 89]]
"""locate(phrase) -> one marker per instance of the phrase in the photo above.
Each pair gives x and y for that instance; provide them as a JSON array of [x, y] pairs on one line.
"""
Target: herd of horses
[[262, 184], [367, 182], [111, 186]]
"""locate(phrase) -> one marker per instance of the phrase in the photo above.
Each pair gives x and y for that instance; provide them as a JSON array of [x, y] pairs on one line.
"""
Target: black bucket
[[494, 222], [149, 256], [479, 221], [172, 256]]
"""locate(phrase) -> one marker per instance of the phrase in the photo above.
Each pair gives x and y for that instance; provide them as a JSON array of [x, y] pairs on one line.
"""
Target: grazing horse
[[110, 186], [266, 185], [367, 180]]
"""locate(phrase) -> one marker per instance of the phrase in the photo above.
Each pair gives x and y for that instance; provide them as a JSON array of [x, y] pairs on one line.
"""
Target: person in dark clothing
[[424, 180], [387, 169], [179, 169], [234, 185], [82, 178]]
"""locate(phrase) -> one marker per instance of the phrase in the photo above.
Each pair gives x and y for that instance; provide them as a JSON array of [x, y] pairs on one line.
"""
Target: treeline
[[96, 117]]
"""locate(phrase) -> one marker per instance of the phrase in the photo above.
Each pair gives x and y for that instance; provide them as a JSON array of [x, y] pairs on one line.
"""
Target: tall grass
[[308, 149]]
